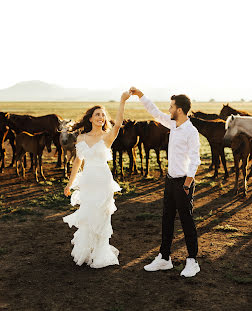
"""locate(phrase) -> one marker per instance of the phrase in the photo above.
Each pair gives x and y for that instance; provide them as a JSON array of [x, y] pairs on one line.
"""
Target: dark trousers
[[175, 198]]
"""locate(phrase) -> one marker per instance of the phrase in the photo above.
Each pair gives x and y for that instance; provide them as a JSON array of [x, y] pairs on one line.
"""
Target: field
[[37, 271]]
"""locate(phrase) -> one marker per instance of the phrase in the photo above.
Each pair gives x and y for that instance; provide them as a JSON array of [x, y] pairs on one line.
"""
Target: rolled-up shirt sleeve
[[193, 152], [160, 116]]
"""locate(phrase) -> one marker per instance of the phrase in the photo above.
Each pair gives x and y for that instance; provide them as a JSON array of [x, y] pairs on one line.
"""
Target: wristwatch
[[186, 187]]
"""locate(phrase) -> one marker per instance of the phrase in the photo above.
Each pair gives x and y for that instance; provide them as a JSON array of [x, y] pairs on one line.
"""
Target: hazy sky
[[198, 47]]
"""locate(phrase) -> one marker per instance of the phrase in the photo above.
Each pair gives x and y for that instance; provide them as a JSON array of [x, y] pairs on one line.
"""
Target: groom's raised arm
[[163, 118]]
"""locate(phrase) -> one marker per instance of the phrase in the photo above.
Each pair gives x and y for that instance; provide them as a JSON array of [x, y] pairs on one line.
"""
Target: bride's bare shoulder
[[80, 138]]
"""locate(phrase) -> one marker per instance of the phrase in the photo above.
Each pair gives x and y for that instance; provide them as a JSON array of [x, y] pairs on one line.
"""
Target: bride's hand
[[67, 191], [125, 96], [135, 91]]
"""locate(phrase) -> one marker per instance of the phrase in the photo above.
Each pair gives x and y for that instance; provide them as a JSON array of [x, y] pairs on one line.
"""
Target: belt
[[175, 178]]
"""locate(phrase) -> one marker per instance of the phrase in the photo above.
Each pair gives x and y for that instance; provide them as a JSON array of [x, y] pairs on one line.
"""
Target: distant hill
[[41, 91]]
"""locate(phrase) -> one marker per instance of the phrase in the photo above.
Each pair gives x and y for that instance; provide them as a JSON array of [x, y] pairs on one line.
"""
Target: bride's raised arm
[[111, 136]]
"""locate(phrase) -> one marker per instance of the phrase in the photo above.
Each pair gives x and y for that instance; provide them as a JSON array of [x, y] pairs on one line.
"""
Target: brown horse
[[214, 131], [49, 123], [205, 116], [126, 140], [241, 147], [35, 144], [153, 135], [227, 111]]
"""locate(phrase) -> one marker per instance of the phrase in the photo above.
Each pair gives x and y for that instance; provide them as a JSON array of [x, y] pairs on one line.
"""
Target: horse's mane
[[229, 119]]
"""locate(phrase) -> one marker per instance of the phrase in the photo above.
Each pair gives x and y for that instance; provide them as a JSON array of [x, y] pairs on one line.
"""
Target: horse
[[68, 140], [241, 147], [126, 140], [153, 135], [235, 125], [227, 111], [205, 116], [214, 131], [49, 123], [35, 144]]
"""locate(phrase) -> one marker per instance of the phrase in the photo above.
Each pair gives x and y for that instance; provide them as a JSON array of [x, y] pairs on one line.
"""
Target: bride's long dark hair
[[87, 125]]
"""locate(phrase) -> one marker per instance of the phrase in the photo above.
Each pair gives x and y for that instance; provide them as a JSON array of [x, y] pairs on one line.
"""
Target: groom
[[184, 159]]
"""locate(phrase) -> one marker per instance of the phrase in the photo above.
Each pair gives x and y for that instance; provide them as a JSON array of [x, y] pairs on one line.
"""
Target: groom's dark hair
[[183, 102]]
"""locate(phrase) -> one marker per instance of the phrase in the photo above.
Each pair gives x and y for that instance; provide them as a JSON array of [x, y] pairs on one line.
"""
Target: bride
[[94, 189]]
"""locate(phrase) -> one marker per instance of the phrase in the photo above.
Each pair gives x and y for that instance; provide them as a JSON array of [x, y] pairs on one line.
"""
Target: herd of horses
[[28, 134]]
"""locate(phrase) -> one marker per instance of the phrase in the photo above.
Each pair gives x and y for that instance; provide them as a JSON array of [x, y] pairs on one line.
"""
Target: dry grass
[[134, 110]]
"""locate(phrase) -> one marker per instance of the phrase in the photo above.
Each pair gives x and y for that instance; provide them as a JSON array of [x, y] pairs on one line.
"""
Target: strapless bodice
[[96, 155]]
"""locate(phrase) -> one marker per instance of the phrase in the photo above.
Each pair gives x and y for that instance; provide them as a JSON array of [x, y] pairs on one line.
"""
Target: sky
[[198, 47]]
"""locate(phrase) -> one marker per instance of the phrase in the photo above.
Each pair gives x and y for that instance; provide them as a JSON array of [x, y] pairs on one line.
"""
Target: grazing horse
[[241, 147], [68, 140], [153, 135], [214, 131], [48, 123], [126, 140], [35, 144], [236, 125], [205, 116], [227, 111]]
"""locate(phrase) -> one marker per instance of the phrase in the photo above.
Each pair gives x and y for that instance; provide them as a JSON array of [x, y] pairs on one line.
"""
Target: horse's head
[[231, 130], [227, 111]]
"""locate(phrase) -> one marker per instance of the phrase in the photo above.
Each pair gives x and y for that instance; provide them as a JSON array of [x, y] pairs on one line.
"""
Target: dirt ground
[[38, 273]]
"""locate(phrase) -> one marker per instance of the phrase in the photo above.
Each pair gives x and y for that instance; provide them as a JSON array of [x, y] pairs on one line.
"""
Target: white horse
[[235, 125]]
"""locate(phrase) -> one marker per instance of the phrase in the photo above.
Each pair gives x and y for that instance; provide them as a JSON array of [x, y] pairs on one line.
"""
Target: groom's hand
[[135, 91]]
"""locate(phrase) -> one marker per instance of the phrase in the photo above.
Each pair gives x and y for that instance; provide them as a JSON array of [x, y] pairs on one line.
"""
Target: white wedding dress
[[94, 190]]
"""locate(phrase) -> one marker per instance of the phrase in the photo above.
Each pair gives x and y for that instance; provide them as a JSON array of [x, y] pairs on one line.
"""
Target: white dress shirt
[[184, 144]]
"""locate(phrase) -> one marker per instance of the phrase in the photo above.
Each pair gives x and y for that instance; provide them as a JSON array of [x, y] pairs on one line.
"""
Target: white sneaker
[[159, 264], [191, 268]]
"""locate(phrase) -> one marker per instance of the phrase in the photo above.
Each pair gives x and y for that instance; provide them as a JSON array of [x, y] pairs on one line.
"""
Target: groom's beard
[[174, 116]]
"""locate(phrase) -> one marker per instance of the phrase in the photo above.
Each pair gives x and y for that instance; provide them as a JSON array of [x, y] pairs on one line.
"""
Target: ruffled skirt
[[94, 192]]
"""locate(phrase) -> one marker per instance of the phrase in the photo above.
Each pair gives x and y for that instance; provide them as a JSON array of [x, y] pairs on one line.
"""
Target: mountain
[[41, 91]]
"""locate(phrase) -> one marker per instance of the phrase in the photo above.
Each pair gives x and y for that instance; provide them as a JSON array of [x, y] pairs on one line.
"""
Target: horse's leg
[[224, 163], [245, 161], [65, 162], [237, 172], [158, 161], [121, 164], [41, 167], [141, 155], [147, 154], [31, 157], [212, 163], [131, 161], [69, 162], [25, 162], [3, 158], [216, 161], [23, 168], [36, 167], [20, 157], [17, 158], [56, 142], [114, 163], [250, 173], [135, 171], [13, 146]]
